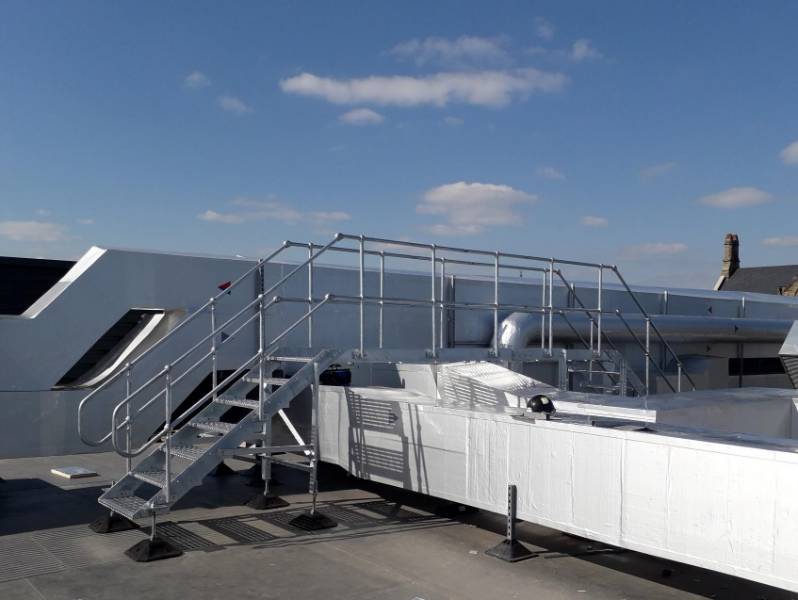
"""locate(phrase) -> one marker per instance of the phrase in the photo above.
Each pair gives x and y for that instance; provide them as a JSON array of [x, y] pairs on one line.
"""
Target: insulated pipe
[[520, 330]]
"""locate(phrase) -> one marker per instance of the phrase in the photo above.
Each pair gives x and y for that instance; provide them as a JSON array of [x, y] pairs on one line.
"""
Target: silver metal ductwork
[[521, 330], [789, 354]]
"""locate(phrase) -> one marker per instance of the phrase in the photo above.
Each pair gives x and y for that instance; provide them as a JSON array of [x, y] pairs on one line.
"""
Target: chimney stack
[[731, 255]]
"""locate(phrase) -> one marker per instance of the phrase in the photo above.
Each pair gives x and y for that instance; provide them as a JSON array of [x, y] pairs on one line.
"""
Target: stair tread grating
[[187, 452], [212, 425], [127, 506], [156, 477], [242, 402]]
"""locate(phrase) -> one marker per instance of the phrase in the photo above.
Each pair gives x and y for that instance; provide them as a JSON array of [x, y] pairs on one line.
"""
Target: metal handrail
[[435, 303], [176, 422], [593, 322], [647, 351], [654, 328], [210, 303]]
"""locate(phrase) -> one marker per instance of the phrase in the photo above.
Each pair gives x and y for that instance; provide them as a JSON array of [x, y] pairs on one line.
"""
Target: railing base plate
[[510, 551], [153, 549], [266, 502], [112, 523], [313, 521]]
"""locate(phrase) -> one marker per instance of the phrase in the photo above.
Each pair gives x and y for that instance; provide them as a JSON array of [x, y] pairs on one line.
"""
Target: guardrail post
[[261, 324], [382, 296], [310, 295], [168, 429], [442, 327], [551, 307], [543, 311], [362, 344], [678, 376], [434, 308], [648, 355], [129, 427], [598, 316], [496, 305], [214, 374]]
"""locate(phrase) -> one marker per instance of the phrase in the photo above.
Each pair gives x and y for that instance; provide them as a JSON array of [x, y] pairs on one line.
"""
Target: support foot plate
[[112, 523], [222, 470], [312, 521], [266, 502], [153, 549], [510, 551]]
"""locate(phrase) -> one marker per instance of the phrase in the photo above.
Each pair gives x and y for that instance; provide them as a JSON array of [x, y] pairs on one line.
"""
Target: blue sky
[[635, 133]]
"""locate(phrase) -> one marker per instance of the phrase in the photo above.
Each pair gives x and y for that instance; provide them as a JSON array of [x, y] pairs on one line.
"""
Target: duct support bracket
[[510, 549]]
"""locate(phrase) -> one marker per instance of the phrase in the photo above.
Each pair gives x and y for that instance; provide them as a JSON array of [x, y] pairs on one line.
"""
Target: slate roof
[[765, 280]]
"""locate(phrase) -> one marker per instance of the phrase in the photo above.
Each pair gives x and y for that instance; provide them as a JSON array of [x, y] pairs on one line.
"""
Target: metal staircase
[[193, 440], [185, 455]]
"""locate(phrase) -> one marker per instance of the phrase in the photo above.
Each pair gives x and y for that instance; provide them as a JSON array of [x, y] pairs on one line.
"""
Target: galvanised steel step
[[187, 452], [266, 380], [242, 402], [156, 477], [131, 507], [211, 425]]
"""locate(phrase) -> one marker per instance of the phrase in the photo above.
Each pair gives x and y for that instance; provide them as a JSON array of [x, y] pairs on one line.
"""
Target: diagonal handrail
[[589, 314], [168, 427], [258, 265], [650, 324]]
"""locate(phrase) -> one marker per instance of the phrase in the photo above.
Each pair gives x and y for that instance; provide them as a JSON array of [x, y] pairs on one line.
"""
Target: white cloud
[[583, 50], [544, 29], [216, 217], [657, 170], [464, 50], [234, 105], [43, 212], [787, 240], [246, 210], [657, 248], [481, 88], [549, 172], [790, 154], [361, 116], [196, 80], [467, 208], [32, 231], [453, 121], [85, 221], [589, 221], [335, 216], [737, 197]]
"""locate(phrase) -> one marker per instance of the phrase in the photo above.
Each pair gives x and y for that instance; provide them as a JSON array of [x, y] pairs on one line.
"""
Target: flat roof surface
[[389, 544]]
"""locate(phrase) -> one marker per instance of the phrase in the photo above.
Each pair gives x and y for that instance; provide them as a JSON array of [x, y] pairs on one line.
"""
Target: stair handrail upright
[[587, 311], [127, 369], [651, 326], [261, 355]]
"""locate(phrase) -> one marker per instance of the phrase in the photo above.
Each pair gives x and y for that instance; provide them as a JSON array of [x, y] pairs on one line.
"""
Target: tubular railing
[[210, 304], [437, 256]]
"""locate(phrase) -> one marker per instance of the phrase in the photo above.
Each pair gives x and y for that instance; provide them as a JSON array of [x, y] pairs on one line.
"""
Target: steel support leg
[[510, 549], [266, 500], [312, 519], [153, 548]]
